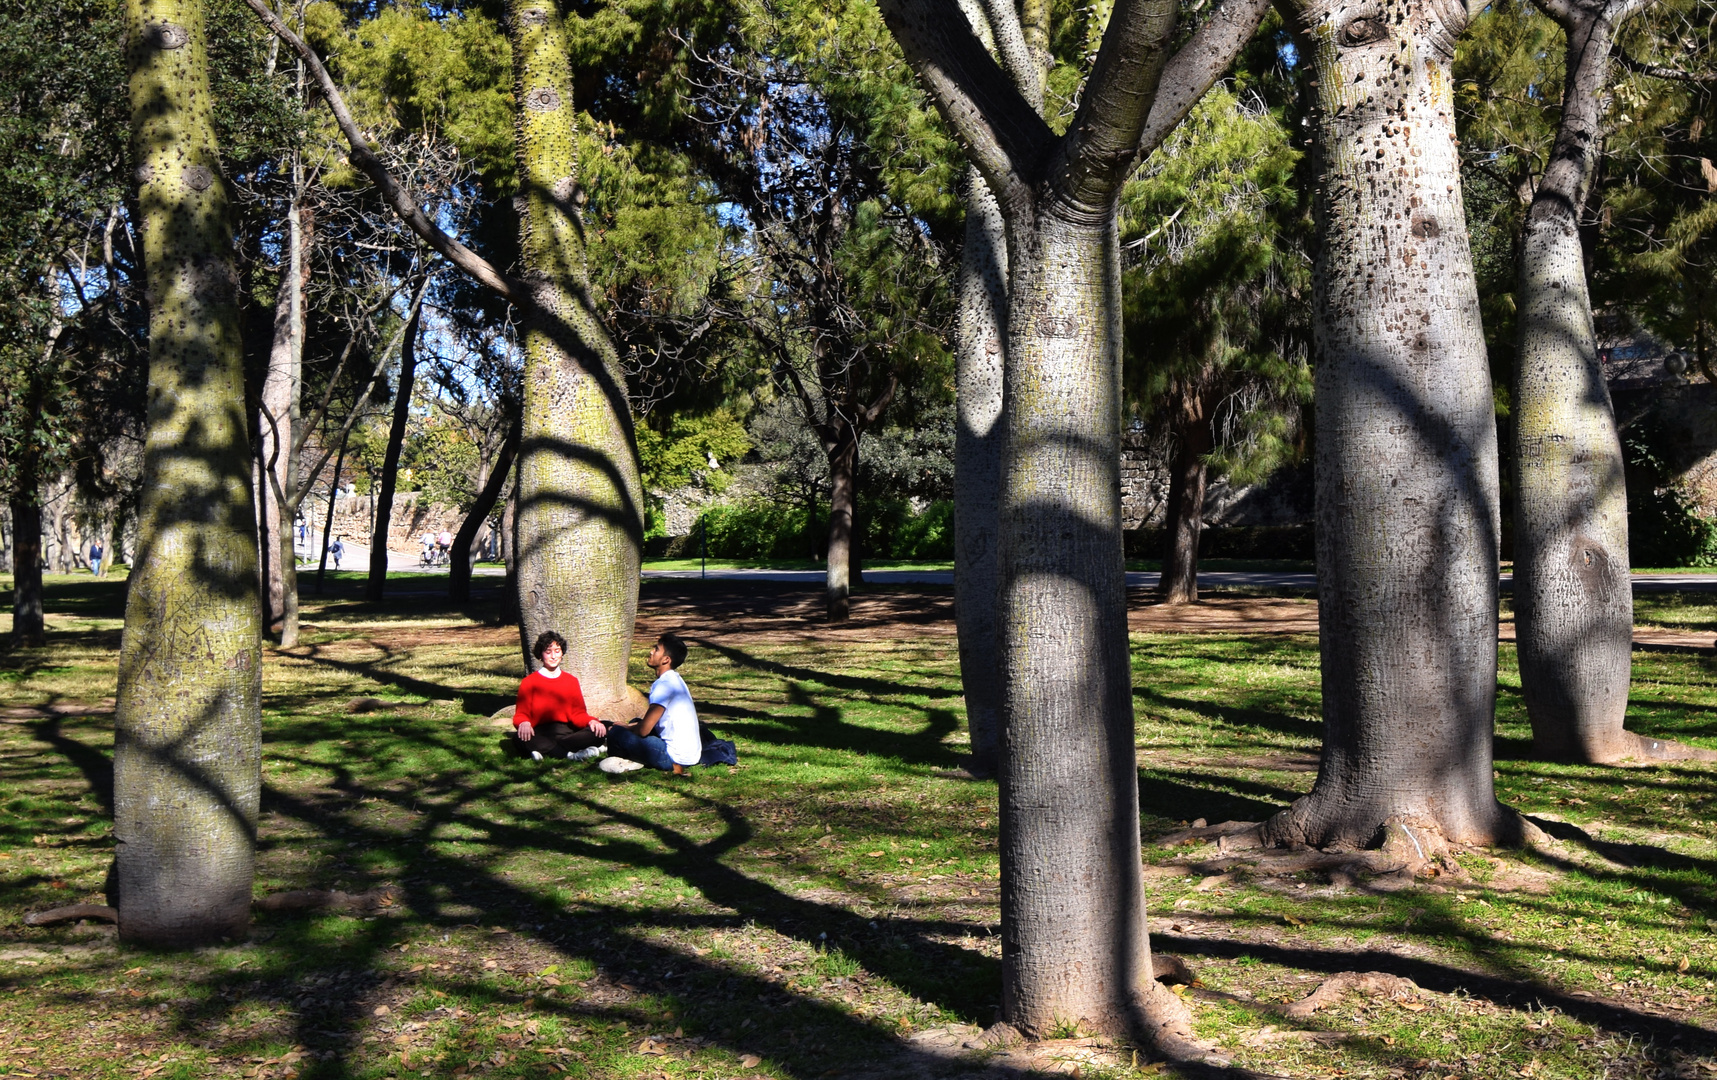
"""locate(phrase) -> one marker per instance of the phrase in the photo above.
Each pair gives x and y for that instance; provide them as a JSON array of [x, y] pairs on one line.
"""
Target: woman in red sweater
[[550, 718]]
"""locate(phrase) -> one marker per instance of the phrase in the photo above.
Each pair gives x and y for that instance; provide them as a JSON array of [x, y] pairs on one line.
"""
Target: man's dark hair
[[543, 640], [676, 648]]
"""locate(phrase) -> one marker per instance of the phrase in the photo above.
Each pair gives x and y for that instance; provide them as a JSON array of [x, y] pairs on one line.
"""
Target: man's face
[[658, 655], [551, 655]]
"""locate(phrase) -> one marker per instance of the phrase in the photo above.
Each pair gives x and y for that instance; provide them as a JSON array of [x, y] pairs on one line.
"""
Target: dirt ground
[[774, 613]]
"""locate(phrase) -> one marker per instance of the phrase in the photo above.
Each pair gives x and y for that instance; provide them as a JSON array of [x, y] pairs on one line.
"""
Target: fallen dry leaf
[[751, 1061], [1682, 967], [382, 1010], [873, 854]]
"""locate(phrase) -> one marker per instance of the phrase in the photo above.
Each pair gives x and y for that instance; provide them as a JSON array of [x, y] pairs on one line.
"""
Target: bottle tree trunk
[[843, 494], [376, 587], [1574, 609], [459, 572], [187, 751], [1073, 943], [1406, 460], [28, 625], [580, 521], [1185, 520], [982, 338]]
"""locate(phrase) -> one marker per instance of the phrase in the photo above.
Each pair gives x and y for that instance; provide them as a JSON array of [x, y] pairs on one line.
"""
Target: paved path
[[1148, 579]]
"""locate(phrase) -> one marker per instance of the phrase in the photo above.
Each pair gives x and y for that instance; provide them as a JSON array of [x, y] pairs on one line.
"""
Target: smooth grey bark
[[1406, 458], [1019, 41], [1074, 946], [276, 427], [377, 584], [978, 348], [1573, 597]]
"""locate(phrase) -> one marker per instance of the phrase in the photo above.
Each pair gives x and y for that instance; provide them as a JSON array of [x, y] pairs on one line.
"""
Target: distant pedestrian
[[335, 550], [95, 556]]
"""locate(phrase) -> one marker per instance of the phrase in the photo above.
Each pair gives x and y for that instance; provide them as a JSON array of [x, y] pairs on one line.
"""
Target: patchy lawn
[[828, 908]]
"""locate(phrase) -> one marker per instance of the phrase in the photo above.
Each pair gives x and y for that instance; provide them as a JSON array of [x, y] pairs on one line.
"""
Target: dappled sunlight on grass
[[798, 915]]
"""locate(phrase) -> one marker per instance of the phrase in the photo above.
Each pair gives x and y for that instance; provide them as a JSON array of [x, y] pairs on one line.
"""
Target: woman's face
[[551, 655]]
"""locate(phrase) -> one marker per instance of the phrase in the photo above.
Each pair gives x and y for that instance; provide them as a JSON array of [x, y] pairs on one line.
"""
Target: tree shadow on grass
[[1220, 717], [329, 976], [1448, 979], [334, 989], [1190, 795]]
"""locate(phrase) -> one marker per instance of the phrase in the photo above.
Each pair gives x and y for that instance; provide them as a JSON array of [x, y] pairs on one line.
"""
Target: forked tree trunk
[[376, 587], [1574, 608], [843, 483], [1406, 460], [28, 625], [187, 750], [983, 299], [580, 510], [1185, 518], [464, 554], [1074, 945]]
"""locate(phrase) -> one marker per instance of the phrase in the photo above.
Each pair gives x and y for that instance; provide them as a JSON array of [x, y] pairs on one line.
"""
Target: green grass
[[830, 895], [791, 564]]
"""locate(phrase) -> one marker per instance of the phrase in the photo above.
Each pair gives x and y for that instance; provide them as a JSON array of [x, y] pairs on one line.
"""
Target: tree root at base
[[1640, 749], [1371, 983], [56, 916]]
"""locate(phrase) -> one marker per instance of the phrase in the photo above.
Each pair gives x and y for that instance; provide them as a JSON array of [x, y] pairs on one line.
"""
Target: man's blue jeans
[[647, 749]]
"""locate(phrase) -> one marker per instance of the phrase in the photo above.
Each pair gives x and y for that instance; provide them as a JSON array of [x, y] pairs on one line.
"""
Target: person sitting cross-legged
[[550, 719], [666, 736]]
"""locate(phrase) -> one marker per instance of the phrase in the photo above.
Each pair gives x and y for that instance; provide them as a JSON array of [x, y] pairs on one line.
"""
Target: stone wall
[[408, 521]]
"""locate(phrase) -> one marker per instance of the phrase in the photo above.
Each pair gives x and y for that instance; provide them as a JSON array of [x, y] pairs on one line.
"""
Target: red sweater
[[543, 700]]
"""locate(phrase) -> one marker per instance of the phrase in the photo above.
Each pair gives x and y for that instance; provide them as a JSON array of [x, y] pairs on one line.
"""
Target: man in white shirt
[[666, 737]]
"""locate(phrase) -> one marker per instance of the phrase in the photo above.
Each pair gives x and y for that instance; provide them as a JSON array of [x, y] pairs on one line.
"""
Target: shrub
[[762, 530]]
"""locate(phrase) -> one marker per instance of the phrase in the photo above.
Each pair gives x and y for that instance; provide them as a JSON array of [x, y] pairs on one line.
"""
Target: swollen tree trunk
[[1574, 608], [459, 572], [983, 300], [28, 625], [580, 512], [1073, 941], [187, 753], [377, 584], [843, 494], [1407, 510], [1074, 946], [1185, 520]]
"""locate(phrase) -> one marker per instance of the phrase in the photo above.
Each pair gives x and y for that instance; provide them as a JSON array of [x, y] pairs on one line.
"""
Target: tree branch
[[1658, 71], [376, 375], [1000, 130], [1016, 55], [870, 415], [1103, 141], [1198, 64], [397, 197]]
